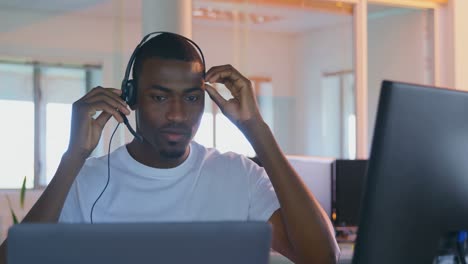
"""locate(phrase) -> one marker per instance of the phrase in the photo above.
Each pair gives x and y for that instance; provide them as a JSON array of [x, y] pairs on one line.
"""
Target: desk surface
[[345, 258]]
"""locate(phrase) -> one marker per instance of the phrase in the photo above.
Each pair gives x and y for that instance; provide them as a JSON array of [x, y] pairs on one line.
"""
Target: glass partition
[[292, 51], [400, 48]]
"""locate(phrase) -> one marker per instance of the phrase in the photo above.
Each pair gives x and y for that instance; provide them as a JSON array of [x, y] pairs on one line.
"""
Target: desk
[[345, 258], [347, 250], [276, 258]]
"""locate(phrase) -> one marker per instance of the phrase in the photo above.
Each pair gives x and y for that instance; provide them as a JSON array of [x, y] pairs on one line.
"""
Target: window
[[338, 115], [219, 132], [38, 98], [17, 108]]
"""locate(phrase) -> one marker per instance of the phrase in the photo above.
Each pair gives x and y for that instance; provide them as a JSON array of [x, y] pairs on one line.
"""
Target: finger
[[113, 90], [211, 70], [104, 106], [234, 83], [227, 70], [113, 105], [230, 85], [100, 89], [214, 73], [116, 103], [215, 69], [114, 93], [92, 92], [102, 119], [215, 96], [230, 77]]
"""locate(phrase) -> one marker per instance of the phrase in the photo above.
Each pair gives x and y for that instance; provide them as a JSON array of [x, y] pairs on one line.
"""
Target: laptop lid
[[203, 242]]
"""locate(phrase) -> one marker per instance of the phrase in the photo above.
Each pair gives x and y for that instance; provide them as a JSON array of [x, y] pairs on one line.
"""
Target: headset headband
[[143, 41]]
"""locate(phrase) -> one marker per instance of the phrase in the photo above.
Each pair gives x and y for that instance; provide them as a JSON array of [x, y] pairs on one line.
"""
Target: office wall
[[329, 49], [258, 54], [400, 48], [68, 37]]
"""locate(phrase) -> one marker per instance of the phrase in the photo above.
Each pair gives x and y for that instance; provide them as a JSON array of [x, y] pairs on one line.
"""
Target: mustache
[[176, 128]]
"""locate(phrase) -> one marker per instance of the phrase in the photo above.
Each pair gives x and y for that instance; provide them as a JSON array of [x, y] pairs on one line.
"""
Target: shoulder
[[93, 163], [102, 160], [98, 165]]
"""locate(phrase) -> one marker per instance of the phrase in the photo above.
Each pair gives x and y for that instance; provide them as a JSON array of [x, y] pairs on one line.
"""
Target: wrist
[[254, 129], [75, 156], [253, 126], [69, 167]]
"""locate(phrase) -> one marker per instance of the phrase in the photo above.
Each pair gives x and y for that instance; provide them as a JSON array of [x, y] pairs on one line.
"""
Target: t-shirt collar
[[146, 171]]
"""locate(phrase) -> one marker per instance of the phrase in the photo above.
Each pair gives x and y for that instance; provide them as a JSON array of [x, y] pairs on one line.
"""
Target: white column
[[444, 53], [460, 43], [450, 26], [167, 15], [360, 68], [438, 18]]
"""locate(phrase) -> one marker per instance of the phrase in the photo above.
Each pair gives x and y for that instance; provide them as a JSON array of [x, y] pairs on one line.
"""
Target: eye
[[159, 98], [192, 98]]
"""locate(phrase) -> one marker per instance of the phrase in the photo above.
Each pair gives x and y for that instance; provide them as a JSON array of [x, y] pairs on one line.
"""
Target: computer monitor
[[202, 242], [348, 177], [417, 182]]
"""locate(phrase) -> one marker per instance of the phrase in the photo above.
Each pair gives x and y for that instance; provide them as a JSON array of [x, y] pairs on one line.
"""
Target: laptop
[[194, 242]]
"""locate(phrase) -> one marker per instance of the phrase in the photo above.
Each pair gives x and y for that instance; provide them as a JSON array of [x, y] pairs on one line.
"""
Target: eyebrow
[[167, 90]]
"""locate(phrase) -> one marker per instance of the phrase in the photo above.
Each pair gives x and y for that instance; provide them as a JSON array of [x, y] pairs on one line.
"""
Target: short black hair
[[165, 46]]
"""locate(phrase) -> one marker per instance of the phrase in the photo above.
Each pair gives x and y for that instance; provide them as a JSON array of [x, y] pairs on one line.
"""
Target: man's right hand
[[85, 130], [84, 137]]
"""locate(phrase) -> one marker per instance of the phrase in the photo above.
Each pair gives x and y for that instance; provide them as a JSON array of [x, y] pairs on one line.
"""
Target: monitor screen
[[348, 184], [416, 189]]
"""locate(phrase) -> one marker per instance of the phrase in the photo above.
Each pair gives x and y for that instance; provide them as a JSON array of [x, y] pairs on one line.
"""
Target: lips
[[174, 135]]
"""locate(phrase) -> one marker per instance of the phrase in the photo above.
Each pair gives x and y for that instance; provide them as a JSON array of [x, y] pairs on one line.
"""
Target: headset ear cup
[[131, 93]]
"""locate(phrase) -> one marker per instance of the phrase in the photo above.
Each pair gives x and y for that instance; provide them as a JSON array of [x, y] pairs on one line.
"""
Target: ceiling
[[47, 5], [289, 20]]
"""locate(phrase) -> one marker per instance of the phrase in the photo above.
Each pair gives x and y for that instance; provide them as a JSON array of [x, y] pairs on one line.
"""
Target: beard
[[174, 152]]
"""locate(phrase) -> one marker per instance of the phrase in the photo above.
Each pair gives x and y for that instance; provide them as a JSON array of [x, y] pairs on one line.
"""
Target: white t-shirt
[[207, 186]]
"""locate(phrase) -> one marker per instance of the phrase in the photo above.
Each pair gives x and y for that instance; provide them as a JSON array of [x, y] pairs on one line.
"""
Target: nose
[[177, 111]]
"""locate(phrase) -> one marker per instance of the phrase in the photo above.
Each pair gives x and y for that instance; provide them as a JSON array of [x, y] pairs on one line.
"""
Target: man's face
[[170, 104]]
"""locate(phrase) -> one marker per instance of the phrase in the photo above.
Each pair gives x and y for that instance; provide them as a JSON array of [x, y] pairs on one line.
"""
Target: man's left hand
[[242, 109]]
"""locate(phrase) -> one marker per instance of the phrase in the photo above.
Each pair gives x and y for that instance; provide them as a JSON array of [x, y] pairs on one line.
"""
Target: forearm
[[3, 253], [309, 229], [49, 205]]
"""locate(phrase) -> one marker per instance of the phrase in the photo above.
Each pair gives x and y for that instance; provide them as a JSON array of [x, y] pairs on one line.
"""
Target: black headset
[[129, 86], [129, 91]]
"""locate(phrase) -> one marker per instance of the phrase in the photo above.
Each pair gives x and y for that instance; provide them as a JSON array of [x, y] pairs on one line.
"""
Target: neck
[[149, 156]]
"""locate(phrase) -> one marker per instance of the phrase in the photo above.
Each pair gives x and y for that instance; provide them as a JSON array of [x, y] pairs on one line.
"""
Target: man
[[167, 176]]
